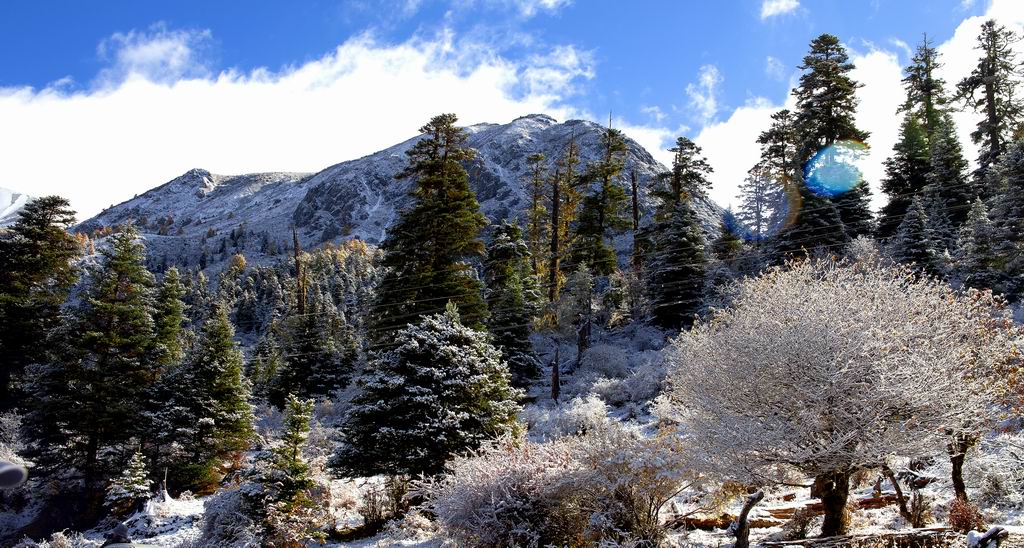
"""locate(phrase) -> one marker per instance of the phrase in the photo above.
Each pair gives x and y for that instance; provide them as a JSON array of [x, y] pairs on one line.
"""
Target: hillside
[[200, 214]]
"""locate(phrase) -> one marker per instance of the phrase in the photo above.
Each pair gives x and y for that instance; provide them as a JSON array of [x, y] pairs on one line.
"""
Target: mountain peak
[[203, 215]]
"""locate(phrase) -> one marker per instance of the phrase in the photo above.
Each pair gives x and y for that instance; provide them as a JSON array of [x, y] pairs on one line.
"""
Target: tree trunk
[[740, 527], [833, 489], [556, 205], [901, 500], [556, 381], [957, 454]]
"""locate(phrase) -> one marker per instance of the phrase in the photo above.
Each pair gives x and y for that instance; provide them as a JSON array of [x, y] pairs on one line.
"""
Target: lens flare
[[833, 170]]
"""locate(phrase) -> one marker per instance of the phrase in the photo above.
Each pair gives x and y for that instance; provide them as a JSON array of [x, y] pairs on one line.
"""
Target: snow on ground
[[167, 523]]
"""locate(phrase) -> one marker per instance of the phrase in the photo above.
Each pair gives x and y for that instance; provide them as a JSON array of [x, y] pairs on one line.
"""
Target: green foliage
[[513, 300], [441, 390], [169, 319], [427, 250], [36, 275], [905, 174], [603, 211], [914, 242], [201, 415], [677, 269]]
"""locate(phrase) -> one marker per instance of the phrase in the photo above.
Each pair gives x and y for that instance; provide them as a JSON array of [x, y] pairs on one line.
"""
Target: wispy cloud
[[771, 8], [654, 112], [157, 54], [703, 95], [774, 68]]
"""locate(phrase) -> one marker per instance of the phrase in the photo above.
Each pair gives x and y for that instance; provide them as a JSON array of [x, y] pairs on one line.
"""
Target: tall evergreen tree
[[603, 211], [513, 300], [996, 77], [426, 251], [563, 202], [169, 319], [203, 416], [976, 258], [679, 259], [537, 216], [1008, 217], [826, 104], [927, 100], [441, 390], [905, 174], [36, 274], [761, 199], [947, 174], [86, 407]]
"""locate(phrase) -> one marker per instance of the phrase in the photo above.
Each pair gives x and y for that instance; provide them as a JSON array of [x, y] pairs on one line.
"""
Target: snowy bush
[[606, 360], [575, 417], [60, 539], [998, 471], [608, 485], [639, 387], [509, 493], [229, 519], [828, 367]]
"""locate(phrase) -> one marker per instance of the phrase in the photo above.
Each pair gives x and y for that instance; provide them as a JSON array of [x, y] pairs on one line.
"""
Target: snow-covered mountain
[[11, 203], [200, 213]]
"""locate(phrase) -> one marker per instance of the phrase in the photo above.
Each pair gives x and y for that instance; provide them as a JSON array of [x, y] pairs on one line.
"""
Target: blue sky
[[122, 95]]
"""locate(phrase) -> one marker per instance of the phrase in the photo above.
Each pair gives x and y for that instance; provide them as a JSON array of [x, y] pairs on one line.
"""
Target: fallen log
[[768, 517]]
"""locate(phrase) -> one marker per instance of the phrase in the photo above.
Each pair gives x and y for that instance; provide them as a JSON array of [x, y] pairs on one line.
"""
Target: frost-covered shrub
[[639, 387], [509, 493], [608, 485], [229, 519], [606, 361], [573, 418], [997, 471], [824, 367], [60, 539]]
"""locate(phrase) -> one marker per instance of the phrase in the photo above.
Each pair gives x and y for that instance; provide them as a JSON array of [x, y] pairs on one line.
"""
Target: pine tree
[[513, 300], [976, 259], [202, 414], [997, 77], [425, 252], [905, 174], [117, 336], [290, 515], [36, 275], [322, 351], [679, 261], [677, 269], [441, 390], [948, 173], [537, 216], [913, 243], [563, 202], [602, 212], [927, 100], [133, 486], [826, 108], [169, 319], [1008, 217], [762, 199]]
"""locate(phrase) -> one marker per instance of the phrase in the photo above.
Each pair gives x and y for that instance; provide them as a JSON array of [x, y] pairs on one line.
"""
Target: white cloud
[[654, 112], [529, 8], [156, 116], [774, 68], [771, 8], [703, 95], [158, 55], [731, 148]]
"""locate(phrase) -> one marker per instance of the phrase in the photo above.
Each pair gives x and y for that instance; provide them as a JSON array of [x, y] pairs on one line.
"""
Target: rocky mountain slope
[[11, 203], [200, 218]]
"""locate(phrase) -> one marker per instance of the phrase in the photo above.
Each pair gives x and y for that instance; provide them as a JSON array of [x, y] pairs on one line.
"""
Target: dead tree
[[740, 528]]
